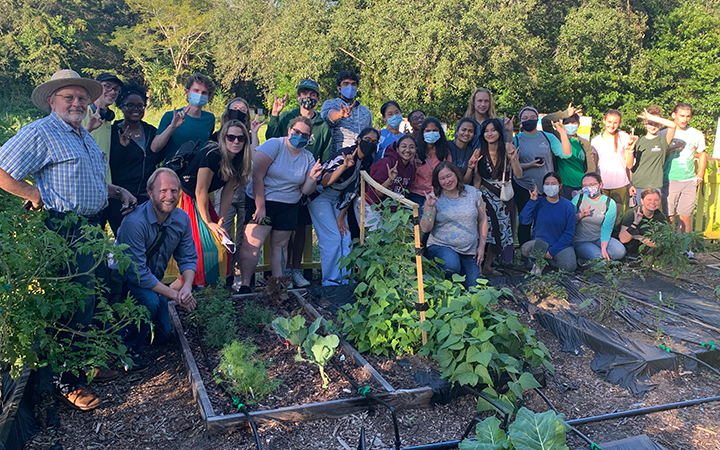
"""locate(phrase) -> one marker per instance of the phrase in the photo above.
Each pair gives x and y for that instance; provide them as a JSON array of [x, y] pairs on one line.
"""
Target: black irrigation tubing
[[502, 411], [365, 392], [642, 411], [697, 360], [240, 406], [593, 445], [361, 445]]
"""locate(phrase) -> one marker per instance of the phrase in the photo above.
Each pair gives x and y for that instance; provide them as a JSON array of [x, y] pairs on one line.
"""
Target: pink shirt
[[423, 176], [611, 163]]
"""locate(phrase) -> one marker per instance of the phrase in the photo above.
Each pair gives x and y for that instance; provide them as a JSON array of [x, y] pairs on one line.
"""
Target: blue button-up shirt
[[69, 168], [139, 230], [346, 130]]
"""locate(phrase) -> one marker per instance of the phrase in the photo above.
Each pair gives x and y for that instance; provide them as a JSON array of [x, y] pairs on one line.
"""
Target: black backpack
[[607, 203], [183, 157]]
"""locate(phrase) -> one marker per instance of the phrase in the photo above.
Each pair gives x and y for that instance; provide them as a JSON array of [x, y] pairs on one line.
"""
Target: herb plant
[[542, 285], [216, 314], [529, 431], [319, 350], [255, 316], [670, 247], [615, 276], [243, 374]]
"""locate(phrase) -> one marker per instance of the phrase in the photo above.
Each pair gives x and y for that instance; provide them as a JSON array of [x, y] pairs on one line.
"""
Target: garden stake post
[[364, 177]]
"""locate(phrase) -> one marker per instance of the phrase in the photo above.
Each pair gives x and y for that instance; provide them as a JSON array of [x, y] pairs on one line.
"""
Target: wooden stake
[[418, 265], [362, 207]]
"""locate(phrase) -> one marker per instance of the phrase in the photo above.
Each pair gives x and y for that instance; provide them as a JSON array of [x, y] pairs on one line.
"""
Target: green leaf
[[532, 431], [488, 436], [527, 381]]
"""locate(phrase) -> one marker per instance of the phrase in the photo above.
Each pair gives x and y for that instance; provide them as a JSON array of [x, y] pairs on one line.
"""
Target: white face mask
[[551, 190]]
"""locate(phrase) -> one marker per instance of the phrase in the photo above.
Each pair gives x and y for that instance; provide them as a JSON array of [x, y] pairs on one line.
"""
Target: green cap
[[307, 83]]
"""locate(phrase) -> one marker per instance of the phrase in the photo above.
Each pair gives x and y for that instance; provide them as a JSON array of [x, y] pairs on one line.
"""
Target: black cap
[[307, 83], [109, 77]]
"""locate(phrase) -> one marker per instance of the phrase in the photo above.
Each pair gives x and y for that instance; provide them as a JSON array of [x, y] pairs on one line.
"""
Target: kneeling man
[[155, 232]]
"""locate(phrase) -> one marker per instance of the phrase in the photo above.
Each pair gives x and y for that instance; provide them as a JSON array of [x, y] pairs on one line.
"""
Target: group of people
[[569, 197]]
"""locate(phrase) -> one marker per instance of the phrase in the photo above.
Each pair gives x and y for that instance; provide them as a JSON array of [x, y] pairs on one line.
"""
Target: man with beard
[[156, 231], [70, 173]]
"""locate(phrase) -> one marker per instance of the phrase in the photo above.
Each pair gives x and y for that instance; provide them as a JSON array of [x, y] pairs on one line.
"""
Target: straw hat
[[60, 79]]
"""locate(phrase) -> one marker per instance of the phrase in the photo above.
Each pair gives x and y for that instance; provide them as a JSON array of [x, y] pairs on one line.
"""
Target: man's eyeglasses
[[139, 106], [109, 87], [296, 131], [233, 138], [71, 99]]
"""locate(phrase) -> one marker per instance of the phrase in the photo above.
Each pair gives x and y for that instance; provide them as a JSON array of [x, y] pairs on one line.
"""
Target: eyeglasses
[[109, 87], [370, 141], [233, 138], [71, 99], [591, 185], [296, 131], [134, 106]]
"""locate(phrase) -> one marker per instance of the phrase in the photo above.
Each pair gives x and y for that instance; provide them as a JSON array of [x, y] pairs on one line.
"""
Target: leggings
[[522, 196]]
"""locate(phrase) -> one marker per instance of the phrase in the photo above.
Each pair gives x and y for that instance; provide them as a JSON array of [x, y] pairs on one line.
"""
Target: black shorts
[[280, 216], [303, 214]]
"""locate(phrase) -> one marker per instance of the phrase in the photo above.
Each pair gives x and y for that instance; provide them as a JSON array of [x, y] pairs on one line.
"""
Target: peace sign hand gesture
[[316, 170], [178, 118], [534, 194], [476, 156], [392, 172], [571, 110], [278, 105], [508, 123], [511, 151], [430, 200], [124, 136]]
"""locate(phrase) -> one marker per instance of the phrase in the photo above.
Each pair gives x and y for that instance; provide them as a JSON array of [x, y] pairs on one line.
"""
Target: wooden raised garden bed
[[217, 423]]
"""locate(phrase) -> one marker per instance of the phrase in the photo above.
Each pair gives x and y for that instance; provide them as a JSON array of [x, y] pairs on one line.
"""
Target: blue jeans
[[455, 263], [324, 212], [590, 250], [158, 307]]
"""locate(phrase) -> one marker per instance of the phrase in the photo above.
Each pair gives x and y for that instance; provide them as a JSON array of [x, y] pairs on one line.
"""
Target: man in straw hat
[[70, 177]]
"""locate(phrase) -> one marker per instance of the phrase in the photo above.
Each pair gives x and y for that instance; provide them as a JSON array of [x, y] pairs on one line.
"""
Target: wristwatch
[[117, 192]]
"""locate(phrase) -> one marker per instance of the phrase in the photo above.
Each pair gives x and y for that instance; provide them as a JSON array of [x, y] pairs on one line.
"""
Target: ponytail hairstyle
[[237, 166]]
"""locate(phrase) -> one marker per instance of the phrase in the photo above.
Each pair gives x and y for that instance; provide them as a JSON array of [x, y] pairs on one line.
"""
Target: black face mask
[[236, 114], [367, 148], [528, 125]]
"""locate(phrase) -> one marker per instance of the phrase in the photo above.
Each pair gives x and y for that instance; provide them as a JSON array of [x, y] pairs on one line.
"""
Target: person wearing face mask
[[392, 115], [454, 217], [609, 148], [395, 171], [341, 181], [308, 95], [432, 149], [345, 116], [636, 222], [581, 160], [461, 149], [553, 225], [190, 123], [535, 152], [595, 219], [282, 172]]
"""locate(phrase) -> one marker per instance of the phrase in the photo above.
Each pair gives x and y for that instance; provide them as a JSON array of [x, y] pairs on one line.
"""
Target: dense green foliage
[[529, 431], [597, 54], [216, 315], [36, 301], [670, 247], [243, 374]]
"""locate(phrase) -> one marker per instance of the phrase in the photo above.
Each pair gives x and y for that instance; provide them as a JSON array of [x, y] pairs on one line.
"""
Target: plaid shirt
[[69, 168]]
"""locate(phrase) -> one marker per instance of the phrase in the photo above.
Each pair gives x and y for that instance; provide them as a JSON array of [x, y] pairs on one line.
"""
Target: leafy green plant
[[383, 319], [37, 300], [615, 276], [255, 316], [668, 251], [477, 343], [216, 314], [319, 350], [529, 431], [548, 284], [244, 375]]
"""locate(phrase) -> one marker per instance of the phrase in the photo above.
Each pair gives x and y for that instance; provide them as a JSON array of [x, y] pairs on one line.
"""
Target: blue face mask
[[297, 141], [431, 137], [394, 121], [198, 100], [591, 191], [348, 91], [571, 129], [551, 190]]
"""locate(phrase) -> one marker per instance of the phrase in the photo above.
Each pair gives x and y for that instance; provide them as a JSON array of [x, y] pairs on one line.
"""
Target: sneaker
[[536, 270], [138, 365], [244, 290], [298, 280]]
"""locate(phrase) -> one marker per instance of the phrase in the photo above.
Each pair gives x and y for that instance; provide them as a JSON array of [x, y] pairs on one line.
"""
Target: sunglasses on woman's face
[[233, 138]]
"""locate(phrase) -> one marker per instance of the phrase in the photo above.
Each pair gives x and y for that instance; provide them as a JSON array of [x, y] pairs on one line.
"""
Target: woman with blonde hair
[[481, 107], [226, 163]]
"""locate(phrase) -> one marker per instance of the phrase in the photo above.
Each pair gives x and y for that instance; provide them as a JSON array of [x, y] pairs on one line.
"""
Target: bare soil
[[155, 410]]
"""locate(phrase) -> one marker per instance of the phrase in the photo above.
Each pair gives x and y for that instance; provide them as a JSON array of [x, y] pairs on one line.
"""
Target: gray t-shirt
[[599, 224], [542, 145], [286, 174], [456, 222]]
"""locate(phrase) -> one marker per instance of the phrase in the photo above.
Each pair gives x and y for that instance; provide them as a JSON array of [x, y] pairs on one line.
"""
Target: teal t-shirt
[[649, 159], [193, 129], [572, 169], [680, 164]]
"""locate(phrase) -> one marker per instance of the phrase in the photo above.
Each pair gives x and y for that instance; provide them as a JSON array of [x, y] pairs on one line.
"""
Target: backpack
[[607, 203], [183, 157]]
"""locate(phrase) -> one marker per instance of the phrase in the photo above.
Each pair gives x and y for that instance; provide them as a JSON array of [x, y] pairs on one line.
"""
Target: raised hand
[[349, 160], [508, 123], [392, 171], [316, 169], [534, 193], [255, 125], [124, 136], [278, 105], [476, 156], [638, 216], [430, 200], [559, 128], [511, 151], [645, 115], [346, 110], [178, 117], [585, 212], [94, 121], [573, 110]]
